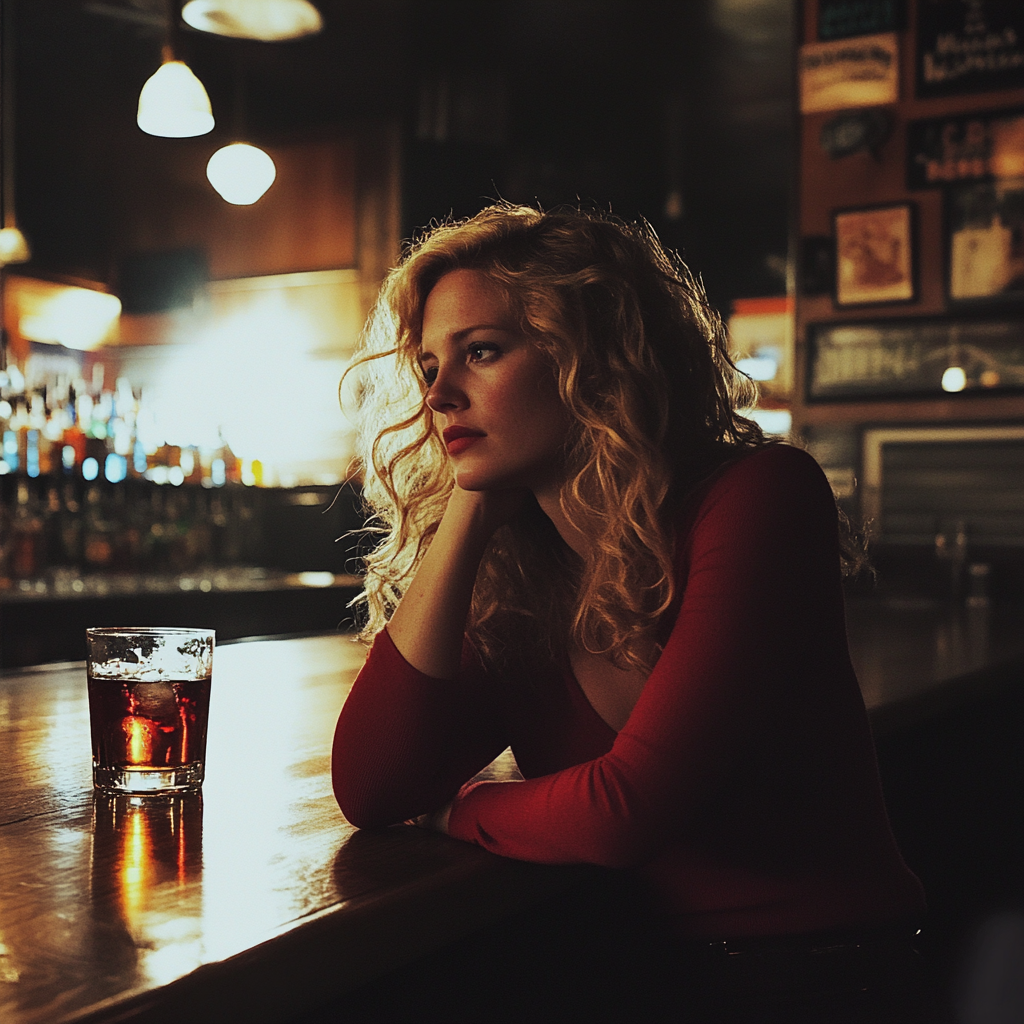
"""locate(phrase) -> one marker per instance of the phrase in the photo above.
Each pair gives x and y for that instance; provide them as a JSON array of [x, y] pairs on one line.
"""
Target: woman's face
[[493, 391]]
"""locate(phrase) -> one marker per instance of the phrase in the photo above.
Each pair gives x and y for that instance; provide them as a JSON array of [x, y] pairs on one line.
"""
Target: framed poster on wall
[[875, 255], [985, 241], [924, 357], [963, 47], [840, 19]]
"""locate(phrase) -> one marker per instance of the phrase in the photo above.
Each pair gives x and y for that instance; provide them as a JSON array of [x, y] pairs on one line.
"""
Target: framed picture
[[845, 73], [911, 356], [840, 19], [985, 241], [875, 255], [964, 47], [965, 147]]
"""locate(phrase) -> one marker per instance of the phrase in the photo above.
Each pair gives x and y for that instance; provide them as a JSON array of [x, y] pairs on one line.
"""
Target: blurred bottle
[[70, 525], [97, 533], [28, 551], [979, 576]]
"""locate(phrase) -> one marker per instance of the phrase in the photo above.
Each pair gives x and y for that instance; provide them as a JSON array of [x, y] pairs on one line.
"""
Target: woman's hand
[[435, 821], [483, 512]]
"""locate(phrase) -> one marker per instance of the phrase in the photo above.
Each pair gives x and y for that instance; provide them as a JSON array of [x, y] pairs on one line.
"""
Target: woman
[[589, 555]]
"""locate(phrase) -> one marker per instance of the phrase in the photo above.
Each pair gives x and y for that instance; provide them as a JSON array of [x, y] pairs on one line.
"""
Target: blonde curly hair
[[643, 369]]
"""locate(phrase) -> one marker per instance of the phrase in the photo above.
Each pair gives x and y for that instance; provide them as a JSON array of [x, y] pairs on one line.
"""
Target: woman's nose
[[445, 394]]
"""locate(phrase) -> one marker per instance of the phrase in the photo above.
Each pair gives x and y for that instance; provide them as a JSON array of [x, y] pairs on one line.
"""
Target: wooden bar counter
[[257, 901]]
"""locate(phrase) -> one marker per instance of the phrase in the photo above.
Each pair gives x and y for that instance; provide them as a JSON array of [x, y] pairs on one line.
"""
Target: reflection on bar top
[[65, 584]]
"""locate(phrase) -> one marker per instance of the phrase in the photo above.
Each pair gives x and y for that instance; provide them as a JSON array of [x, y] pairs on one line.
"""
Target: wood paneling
[[306, 220]]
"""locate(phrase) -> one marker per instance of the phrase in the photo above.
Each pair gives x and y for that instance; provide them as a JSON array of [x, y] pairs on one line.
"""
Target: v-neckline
[[579, 695]]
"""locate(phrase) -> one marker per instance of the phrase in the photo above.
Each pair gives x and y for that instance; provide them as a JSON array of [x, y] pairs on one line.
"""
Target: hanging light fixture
[[266, 20], [173, 103], [13, 247], [241, 173]]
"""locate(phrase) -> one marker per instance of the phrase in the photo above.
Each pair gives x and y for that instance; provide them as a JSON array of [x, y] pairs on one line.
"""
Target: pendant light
[[240, 172], [13, 245], [266, 20], [173, 102]]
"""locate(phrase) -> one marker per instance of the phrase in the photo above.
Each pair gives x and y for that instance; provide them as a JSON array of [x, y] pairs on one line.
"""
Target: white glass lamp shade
[[174, 104], [267, 20], [241, 173], [13, 247], [954, 379]]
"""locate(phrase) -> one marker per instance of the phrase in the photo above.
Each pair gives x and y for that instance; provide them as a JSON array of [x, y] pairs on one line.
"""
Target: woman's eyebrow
[[466, 331], [460, 335]]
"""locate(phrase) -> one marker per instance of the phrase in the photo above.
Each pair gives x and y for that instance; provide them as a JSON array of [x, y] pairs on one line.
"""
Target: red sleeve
[[760, 568], [405, 742]]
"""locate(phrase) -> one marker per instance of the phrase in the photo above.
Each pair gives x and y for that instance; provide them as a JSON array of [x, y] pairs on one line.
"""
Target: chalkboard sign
[[840, 19], [926, 357], [969, 47]]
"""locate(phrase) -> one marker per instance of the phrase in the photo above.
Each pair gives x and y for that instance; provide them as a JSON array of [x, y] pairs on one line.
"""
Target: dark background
[[681, 113]]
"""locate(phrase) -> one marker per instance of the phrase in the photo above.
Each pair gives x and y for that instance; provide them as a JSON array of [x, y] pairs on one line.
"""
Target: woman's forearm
[[429, 623]]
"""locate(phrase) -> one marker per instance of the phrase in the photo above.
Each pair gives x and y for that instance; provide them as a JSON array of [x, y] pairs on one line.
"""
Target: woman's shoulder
[[770, 473]]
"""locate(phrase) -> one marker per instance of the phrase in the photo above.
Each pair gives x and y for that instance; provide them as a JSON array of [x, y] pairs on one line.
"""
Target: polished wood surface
[[257, 900], [917, 657]]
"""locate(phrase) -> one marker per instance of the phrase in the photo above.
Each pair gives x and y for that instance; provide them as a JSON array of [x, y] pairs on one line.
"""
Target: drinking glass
[[149, 702]]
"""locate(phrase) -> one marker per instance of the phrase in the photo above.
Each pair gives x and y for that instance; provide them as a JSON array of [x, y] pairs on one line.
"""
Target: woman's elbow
[[360, 808], [624, 844]]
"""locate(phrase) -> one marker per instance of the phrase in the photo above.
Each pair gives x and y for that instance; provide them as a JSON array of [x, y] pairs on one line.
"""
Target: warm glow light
[[241, 173], [136, 863], [954, 379], [268, 20], [758, 367], [13, 247], [174, 104], [77, 318], [316, 579], [777, 422], [140, 748]]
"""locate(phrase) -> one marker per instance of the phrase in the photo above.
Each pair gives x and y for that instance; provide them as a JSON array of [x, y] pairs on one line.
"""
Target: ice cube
[[155, 700]]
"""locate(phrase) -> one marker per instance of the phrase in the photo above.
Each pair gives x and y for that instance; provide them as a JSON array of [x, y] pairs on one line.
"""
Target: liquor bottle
[[73, 453], [27, 538], [71, 525], [97, 533]]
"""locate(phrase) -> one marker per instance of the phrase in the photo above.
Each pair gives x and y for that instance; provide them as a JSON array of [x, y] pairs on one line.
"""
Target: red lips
[[459, 438]]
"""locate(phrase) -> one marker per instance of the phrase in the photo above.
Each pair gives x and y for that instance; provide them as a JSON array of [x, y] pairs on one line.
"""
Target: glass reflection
[[146, 862]]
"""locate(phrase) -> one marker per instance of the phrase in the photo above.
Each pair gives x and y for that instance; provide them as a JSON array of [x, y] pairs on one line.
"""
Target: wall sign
[[840, 19], [862, 72], [849, 133], [985, 241], [969, 46], [875, 255], [884, 358], [965, 147]]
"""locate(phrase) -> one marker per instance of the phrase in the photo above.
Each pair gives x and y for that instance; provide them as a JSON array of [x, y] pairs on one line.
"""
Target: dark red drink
[[149, 725]]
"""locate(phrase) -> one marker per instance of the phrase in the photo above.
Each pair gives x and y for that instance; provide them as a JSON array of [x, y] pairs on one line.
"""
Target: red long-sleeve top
[[744, 784]]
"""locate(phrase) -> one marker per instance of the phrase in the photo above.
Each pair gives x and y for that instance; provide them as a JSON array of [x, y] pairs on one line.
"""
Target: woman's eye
[[429, 374], [481, 351]]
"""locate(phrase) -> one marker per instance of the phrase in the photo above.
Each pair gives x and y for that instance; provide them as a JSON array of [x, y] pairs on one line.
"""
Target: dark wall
[[679, 113]]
